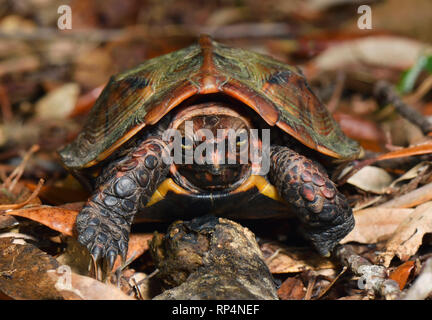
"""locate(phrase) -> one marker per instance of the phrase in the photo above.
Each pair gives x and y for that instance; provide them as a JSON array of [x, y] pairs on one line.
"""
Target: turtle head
[[214, 147]]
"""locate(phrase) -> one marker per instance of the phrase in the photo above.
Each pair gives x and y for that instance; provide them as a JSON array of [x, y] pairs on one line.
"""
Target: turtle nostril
[[215, 170]]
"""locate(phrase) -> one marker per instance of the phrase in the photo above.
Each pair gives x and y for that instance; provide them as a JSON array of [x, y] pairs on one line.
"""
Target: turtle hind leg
[[125, 186], [324, 212]]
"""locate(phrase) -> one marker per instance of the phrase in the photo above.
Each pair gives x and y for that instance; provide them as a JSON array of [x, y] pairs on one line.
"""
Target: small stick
[[14, 177], [310, 287], [372, 277], [422, 90], [410, 199], [24, 203], [332, 283], [386, 94]]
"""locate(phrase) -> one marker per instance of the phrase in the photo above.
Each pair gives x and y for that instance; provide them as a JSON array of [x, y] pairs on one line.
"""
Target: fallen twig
[[310, 287], [416, 150], [386, 94], [410, 199], [324, 292], [372, 277], [14, 177], [22, 204], [234, 31], [422, 90]]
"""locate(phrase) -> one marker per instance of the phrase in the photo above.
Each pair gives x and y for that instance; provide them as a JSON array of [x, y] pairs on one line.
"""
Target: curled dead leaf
[[281, 259], [56, 218], [292, 289], [402, 273], [76, 287], [408, 237], [376, 224], [371, 179]]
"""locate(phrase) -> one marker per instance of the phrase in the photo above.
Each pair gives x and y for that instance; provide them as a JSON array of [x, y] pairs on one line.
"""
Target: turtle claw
[[96, 253], [104, 238], [111, 258]]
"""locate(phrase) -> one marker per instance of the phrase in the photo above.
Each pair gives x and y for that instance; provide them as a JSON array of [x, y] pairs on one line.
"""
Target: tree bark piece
[[211, 258]]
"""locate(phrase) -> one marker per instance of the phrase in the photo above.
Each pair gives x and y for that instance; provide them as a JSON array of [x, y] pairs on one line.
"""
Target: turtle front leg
[[104, 223], [324, 212]]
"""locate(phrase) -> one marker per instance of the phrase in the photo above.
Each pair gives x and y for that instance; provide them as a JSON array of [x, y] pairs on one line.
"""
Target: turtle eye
[[186, 144], [240, 141]]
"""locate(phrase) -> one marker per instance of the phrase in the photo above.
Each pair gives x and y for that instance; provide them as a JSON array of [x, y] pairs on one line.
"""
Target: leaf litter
[[381, 99]]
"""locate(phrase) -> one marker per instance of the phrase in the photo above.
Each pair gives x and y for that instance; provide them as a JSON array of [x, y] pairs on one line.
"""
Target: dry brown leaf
[[412, 173], [22, 267], [371, 179], [63, 220], [59, 219], [373, 50], [76, 287], [422, 286], [59, 103], [408, 236], [402, 273], [7, 221], [75, 206], [282, 259], [60, 195], [292, 289], [424, 148], [138, 244], [376, 224]]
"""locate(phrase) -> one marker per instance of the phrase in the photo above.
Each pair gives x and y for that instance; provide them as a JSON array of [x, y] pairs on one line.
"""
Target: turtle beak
[[215, 168]]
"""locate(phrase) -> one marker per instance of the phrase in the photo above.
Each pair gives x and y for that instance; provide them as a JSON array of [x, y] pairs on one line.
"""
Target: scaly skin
[[324, 212], [104, 223], [126, 185]]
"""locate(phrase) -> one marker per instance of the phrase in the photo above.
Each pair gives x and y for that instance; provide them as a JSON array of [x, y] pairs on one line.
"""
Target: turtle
[[123, 154]]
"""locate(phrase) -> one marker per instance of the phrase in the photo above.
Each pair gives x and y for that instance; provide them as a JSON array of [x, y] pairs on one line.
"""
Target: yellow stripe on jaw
[[263, 186], [259, 182], [160, 193]]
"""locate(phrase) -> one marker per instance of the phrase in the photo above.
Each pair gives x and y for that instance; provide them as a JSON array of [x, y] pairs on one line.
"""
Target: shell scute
[[278, 92]]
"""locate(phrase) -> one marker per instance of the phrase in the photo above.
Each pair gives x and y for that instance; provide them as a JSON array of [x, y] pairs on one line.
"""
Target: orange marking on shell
[[208, 84], [178, 96], [307, 140], [264, 108], [103, 155], [268, 88], [208, 77], [206, 45]]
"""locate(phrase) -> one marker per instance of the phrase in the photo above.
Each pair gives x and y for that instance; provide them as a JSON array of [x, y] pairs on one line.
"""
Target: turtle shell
[[141, 96]]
